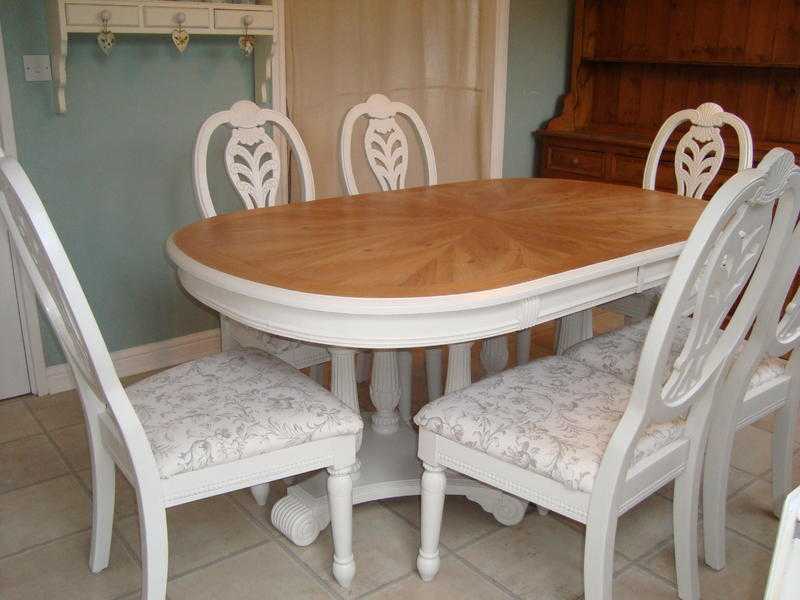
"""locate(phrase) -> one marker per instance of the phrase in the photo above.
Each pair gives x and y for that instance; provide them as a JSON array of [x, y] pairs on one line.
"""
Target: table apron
[[411, 329]]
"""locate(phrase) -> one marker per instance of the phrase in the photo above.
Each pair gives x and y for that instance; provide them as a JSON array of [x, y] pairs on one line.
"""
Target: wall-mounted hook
[[106, 39], [180, 37]]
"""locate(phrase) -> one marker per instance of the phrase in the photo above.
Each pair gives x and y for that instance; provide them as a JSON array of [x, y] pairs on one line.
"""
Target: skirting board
[[141, 359]]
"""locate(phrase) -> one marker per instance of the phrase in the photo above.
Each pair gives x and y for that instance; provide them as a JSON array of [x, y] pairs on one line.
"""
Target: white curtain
[[436, 55]]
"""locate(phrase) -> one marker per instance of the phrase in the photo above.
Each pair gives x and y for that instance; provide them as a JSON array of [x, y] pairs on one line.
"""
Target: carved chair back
[[735, 245], [385, 143], [252, 158], [784, 573], [700, 151], [68, 311]]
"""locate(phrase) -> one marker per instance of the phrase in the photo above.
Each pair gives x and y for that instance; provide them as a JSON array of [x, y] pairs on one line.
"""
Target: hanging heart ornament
[[180, 37], [247, 44], [105, 40]]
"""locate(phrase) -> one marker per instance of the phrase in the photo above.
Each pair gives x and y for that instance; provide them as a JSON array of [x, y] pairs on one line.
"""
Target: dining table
[[443, 265]]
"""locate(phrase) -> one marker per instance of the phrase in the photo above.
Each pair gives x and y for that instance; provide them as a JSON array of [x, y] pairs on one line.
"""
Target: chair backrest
[[63, 300], [700, 151], [736, 245], [784, 574], [252, 158], [385, 143]]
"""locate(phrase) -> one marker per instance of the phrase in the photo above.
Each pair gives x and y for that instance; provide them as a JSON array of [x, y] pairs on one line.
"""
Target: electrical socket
[[37, 67]]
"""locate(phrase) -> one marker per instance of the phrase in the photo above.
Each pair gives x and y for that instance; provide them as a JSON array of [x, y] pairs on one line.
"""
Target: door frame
[[26, 296]]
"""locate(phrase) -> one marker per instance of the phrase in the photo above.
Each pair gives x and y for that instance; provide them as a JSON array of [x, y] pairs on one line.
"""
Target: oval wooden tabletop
[[446, 239]]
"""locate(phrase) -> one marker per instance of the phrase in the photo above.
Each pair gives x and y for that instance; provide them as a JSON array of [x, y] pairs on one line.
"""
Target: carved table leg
[[459, 374], [524, 346], [433, 372], [404, 365], [572, 329], [494, 354], [343, 379], [384, 389]]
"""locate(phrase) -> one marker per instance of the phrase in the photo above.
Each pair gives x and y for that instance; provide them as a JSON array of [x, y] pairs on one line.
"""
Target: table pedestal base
[[389, 469]]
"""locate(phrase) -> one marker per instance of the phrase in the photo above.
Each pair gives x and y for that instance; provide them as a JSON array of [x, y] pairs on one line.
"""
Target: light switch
[[37, 67]]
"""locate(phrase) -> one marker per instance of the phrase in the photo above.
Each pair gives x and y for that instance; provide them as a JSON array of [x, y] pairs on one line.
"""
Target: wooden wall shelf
[[635, 63], [155, 18]]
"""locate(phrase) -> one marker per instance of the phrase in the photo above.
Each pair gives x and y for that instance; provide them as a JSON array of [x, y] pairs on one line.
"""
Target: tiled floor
[[224, 547]]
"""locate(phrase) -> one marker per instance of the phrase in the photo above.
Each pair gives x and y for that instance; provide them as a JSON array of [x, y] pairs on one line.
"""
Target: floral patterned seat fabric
[[617, 352], [231, 406], [553, 416]]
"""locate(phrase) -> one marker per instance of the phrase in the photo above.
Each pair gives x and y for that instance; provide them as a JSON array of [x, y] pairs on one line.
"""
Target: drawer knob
[[247, 20], [180, 18], [574, 161], [105, 16]]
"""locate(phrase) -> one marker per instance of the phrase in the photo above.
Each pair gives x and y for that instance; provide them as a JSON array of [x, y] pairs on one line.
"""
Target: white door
[[14, 380]]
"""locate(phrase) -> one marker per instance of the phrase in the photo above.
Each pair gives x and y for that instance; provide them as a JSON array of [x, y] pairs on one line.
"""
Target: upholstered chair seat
[[553, 416], [617, 352], [234, 405]]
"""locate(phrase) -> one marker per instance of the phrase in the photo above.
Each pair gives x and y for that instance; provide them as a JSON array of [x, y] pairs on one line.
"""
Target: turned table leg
[[384, 390]]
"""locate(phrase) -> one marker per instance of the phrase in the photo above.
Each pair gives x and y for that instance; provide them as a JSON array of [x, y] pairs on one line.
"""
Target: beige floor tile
[[16, 421], [752, 450], [28, 461], [385, 547], [263, 572], [124, 499], [200, 532], [60, 570], [750, 513], [42, 512], [57, 410], [464, 521], [455, 581], [277, 490], [540, 558], [645, 526], [795, 471], [744, 578], [74, 446], [737, 479], [636, 584]]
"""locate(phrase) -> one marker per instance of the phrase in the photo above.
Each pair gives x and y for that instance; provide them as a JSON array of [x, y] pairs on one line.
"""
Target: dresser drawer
[[164, 16], [573, 160], [225, 18], [120, 15]]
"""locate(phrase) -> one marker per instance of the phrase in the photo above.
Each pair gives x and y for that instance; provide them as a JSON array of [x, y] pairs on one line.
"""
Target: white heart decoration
[[180, 37], [105, 40]]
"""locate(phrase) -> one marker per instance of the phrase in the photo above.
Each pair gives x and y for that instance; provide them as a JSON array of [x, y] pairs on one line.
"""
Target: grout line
[[385, 585], [43, 544], [485, 577], [30, 485], [218, 560]]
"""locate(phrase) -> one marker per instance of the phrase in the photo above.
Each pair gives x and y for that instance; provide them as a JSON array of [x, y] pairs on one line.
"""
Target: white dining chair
[[784, 573], [581, 442], [204, 428], [387, 153], [253, 164], [698, 158], [760, 382]]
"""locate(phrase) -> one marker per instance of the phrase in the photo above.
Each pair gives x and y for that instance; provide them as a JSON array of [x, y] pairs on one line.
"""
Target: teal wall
[[539, 50], [114, 170]]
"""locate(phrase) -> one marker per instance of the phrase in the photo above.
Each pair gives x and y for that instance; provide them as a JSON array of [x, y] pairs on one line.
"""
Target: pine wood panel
[[445, 239]]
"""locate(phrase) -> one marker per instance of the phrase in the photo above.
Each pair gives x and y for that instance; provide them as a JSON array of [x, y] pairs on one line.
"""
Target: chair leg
[[433, 486], [404, 364], [717, 463], [155, 548], [317, 373], [782, 453], [260, 493], [340, 505], [433, 372], [103, 493], [598, 557], [684, 517], [524, 338]]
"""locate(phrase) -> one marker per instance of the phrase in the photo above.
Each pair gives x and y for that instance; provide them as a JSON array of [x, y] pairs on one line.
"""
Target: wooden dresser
[[634, 63]]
